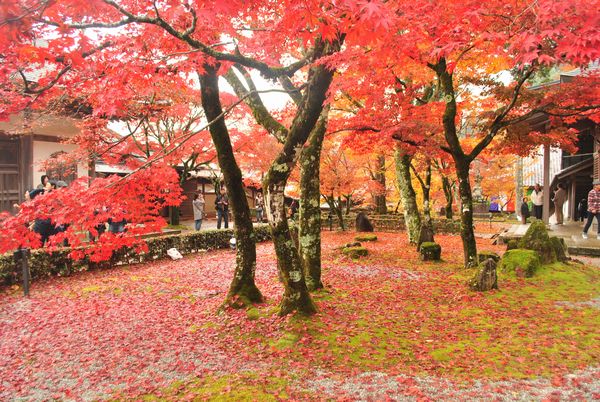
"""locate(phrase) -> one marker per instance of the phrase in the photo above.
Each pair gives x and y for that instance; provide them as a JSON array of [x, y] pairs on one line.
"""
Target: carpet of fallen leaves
[[389, 327]]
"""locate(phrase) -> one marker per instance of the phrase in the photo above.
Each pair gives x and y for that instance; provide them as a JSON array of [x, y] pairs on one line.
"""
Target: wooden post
[[546, 194], [572, 200]]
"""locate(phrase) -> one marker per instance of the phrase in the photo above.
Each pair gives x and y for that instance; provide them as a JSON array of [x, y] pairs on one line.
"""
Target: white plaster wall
[[42, 151]]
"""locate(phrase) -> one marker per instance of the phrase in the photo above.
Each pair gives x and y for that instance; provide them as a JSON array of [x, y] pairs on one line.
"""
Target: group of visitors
[[45, 228], [221, 206], [537, 201], [222, 209], [588, 207]]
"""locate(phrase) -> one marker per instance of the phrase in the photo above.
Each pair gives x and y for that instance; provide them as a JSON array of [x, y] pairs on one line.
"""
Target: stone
[[486, 278], [520, 262], [536, 238], [425, 235], [366, 237], [353, 244], [355, 252], [362, 223], [484, 255], [560, 248], [430, 251]]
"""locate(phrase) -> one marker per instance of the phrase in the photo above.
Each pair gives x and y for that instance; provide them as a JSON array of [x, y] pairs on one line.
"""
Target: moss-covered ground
[[155, 332]]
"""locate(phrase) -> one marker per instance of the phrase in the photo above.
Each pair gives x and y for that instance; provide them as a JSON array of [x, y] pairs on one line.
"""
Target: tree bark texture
[[426, 229], [380, 199], [296, 296], [310, 204], [448, 194], [462, 163], [408, 196], [242, 290]]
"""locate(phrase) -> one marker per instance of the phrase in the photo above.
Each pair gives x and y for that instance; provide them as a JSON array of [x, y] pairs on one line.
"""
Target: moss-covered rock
[[430, 251], [486, 277], [512, 244], [355, 252], [520, 262], [560, 248], [366, 237], [536, 238], [484, 255]]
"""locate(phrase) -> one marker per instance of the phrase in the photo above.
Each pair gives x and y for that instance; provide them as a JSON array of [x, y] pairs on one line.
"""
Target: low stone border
[[58, 263]]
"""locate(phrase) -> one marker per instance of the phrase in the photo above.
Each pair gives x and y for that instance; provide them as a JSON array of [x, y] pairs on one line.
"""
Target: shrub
[[512, 244], [366, 237], [430, 251], [520, 262]]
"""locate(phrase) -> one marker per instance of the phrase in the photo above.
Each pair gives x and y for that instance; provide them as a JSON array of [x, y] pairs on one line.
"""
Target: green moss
[[287, 340], [243, 387], [253, 313], [366, 237], [512, 244], [520, 262], [355, 252], [536, 238], [430, 251]]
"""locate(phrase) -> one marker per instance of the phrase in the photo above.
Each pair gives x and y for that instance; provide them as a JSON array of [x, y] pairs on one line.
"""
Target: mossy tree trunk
[[379, 177], [296, 296], [426, 228], [447, 186], [242, 290], [309, 236], [407, 195], [462, 163]]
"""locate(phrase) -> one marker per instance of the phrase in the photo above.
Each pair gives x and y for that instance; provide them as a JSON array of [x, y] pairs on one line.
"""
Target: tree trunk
[[462, 162], [174, 215], [336, 208], [466, 213], [448, 193], [243, 290], [348, 203], [296, 296], [426, 230], [408, 196], [309, 237], [380, 199]]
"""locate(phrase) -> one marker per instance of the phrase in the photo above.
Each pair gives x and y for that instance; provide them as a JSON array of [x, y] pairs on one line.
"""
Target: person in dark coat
[[582, 209], [525, 213], [222, 207]]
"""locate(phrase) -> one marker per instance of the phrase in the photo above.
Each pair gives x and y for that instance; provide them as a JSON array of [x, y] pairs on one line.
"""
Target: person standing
[[537, 198], [582, 210], [260, 205], [222, 204], [593, 203], [524, 211], [560, 196], [198, 206]]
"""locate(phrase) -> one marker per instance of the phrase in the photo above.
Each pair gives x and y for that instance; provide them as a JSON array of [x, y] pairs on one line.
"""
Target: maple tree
[[180, 42], [460, 54]]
